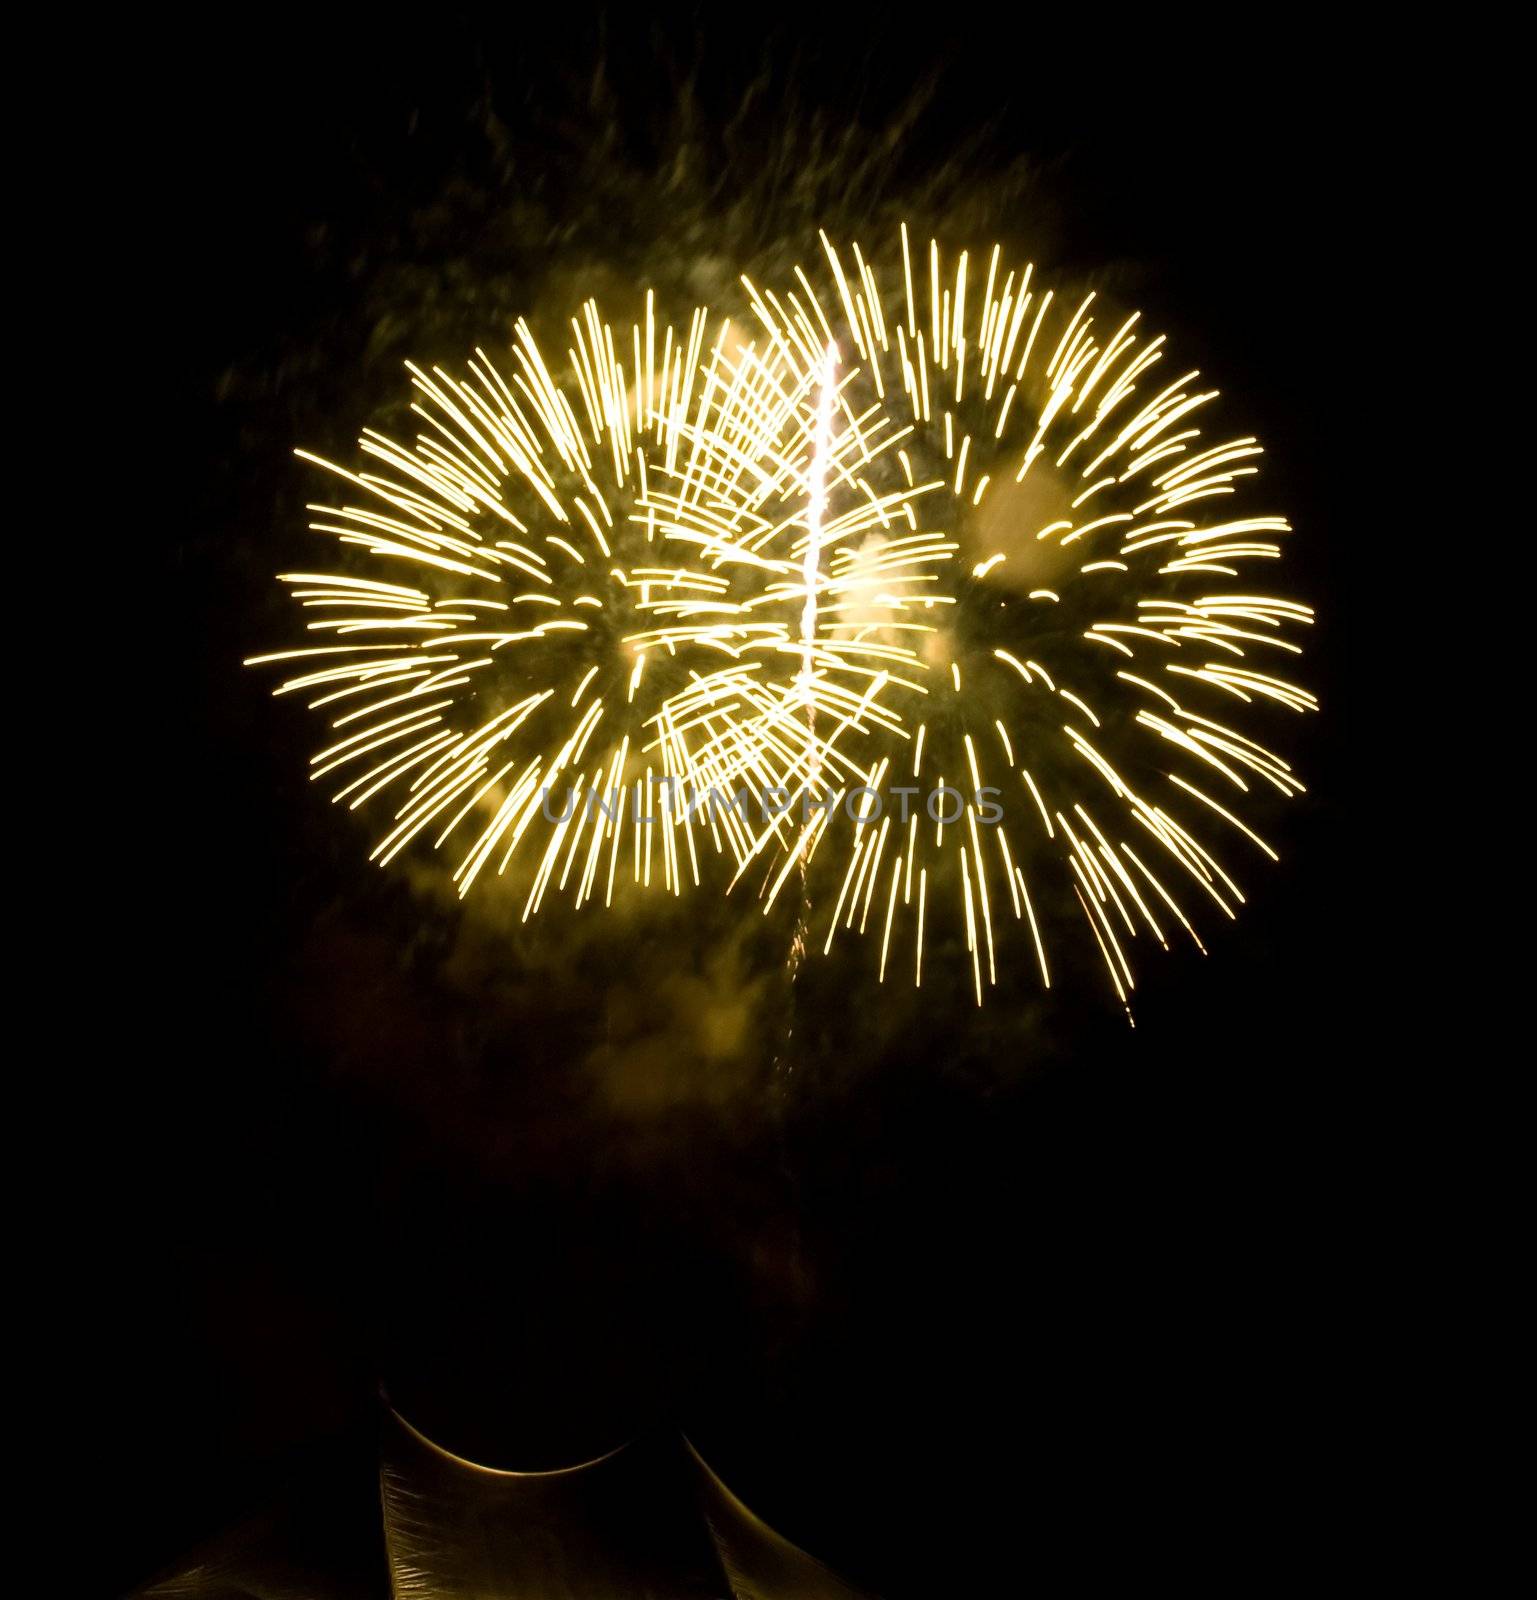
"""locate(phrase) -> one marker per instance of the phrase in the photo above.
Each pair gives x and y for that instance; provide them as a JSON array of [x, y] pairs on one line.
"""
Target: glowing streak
[[816, 510], [811, 579]]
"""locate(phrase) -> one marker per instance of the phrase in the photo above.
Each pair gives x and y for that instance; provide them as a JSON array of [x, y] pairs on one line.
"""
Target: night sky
[[1026, 1284]]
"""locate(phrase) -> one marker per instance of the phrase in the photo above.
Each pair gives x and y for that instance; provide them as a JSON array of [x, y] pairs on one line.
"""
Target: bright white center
[[816, 510]]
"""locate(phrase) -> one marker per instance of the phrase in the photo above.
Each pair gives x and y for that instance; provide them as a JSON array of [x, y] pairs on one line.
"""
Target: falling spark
[[816, 511], [811, 576]]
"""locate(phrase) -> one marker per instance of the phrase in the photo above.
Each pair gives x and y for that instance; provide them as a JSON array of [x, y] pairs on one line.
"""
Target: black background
[[1083, 1302]]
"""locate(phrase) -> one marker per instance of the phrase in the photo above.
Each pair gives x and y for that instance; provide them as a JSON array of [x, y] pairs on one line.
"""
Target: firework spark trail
[[865, 569], [1085, 657], [816, 511], [811, 576]]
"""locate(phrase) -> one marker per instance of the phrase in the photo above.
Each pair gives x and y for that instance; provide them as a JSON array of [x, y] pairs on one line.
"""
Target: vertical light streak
[[811, 577], [816, 511]]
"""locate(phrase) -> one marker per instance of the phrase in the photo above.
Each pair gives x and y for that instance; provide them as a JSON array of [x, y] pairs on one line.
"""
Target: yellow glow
[[1134, 517], [873, 530]]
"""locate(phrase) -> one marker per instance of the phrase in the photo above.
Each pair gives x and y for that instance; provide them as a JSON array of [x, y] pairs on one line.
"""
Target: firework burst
[[1070, 701], [954, 559], [583, 613]]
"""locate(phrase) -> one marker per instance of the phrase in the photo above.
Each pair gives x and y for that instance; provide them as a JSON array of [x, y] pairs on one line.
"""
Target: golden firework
[[579, 598], [940, 556], [1070, 699]]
